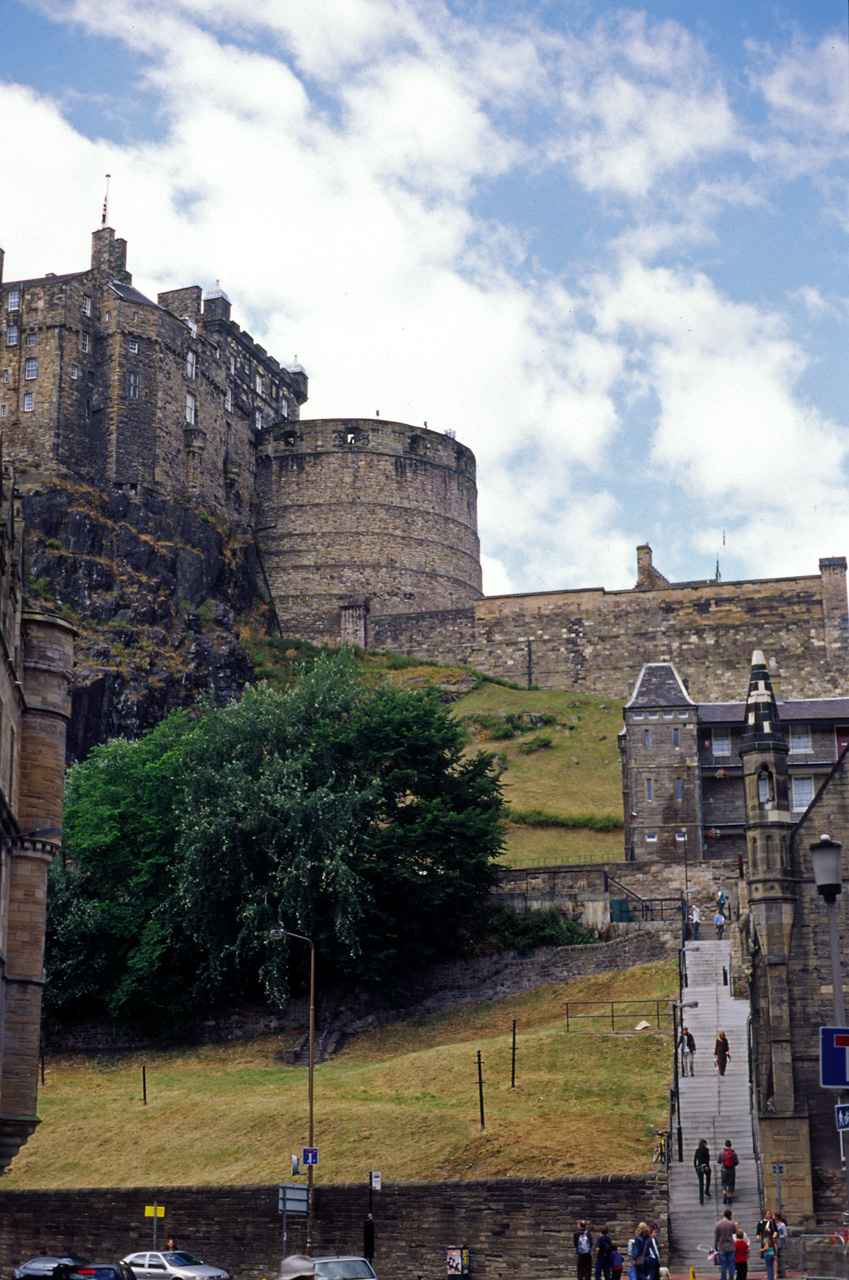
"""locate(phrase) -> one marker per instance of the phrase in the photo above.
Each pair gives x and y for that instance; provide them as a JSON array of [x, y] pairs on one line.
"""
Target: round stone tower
[[361, 516]]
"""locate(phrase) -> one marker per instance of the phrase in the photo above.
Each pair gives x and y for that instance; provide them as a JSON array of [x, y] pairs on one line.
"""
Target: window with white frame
[[2, 411], [86, 305], [85, 341], [284, 407], [6, 375], [133, 346], [191, 364], [191, 406], [12, 335], [651, 837], [667, 715], [29, 402], [133, 385], [802, 792], [14, 299], [232, 364], [682, 715], [721, 744], [228, 399], [259, 384], [258, 419], [638, 715], [75, 371], [680, 836], [800, 739], [30, 339], [653, 715], [108, 316], [30, 369], [648, 788]]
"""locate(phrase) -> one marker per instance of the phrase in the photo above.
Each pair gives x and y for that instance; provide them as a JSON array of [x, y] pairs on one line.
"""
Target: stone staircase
[[713, 1107]]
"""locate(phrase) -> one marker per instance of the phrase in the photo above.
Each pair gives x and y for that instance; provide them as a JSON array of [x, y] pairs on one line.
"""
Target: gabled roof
[[659, 685], [127, 293], [792, 711]]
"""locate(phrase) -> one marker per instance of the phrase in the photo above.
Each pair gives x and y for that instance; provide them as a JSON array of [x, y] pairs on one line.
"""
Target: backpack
[[729, 1158], [584, 1242]]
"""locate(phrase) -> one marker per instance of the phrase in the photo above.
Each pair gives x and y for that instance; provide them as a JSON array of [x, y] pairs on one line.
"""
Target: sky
[[607, 245]]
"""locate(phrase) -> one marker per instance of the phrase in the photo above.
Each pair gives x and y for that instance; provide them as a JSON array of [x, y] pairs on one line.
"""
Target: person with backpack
[[603, 1251], [583, 1251], [728, 1162], [701, 1161]]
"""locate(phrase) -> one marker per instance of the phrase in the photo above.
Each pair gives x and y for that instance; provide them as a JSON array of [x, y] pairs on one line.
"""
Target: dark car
[[94, 1271], [45, 1266]]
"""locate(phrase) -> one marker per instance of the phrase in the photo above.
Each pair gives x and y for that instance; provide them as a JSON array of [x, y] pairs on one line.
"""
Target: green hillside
[[565, 768], [402, 1099]]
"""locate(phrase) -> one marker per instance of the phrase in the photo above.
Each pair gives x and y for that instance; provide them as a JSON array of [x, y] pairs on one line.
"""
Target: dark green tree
[[343, 811]]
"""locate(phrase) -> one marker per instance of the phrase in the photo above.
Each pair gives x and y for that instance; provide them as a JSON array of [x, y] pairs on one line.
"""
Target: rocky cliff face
[[158, 592]]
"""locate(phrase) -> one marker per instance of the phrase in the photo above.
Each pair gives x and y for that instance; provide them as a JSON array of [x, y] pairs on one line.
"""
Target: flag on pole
[[105, 202]]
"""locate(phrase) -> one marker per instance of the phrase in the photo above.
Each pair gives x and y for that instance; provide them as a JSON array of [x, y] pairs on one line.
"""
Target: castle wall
[[368, 514], [598, 640]]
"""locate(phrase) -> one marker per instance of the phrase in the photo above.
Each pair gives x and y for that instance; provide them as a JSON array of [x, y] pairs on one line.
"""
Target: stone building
[[367, 528], [37, 652], [683, 776]]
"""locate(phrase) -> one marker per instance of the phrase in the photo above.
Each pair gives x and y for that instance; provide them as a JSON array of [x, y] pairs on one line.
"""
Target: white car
[[178, 1265], [344, 1269]]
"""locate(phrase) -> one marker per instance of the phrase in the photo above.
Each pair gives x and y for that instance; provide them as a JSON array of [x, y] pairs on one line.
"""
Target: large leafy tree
[[344, 811]]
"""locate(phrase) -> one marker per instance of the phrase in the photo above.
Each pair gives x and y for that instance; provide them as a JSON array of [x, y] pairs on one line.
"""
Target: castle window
[[228, 399], [651, 837], [682, 715], [12, 335], [653, 715], [648, 788], [85, 341], [678, 791], [251, 457], [75, 371], [133, 347], [6, 375], [764, 789], [133, 385], [800, 740], [680, 836], [284, 407], [258, 384], [803, 793], [667, 715], [638, 715], [108, 316], [29, 402], [86, 305], [289, 439], [2, 411], [675, 741], [191, 364], [258, 419], [645, 737], [191, 406], [30, 339], [233, 364], [190, 324], [721, 744], [30, 369], [14, 299]]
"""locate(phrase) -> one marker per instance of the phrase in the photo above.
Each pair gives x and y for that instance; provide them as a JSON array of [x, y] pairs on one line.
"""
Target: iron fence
[[605, 1013]]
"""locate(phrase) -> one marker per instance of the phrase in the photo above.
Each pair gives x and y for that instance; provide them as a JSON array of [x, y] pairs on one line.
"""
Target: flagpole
[[105, 202]]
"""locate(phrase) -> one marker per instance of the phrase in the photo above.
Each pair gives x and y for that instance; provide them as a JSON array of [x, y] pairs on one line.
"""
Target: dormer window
[[800, 740]]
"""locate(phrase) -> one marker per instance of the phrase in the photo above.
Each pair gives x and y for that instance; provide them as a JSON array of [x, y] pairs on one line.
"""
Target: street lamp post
[[827, 864], [676, 1005], [278, 935]]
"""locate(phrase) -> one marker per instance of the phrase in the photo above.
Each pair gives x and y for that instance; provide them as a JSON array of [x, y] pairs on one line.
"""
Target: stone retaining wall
[[518, 1228]]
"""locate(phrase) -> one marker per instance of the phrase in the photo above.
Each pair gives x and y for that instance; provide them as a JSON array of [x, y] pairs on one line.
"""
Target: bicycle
[[659, 1156]]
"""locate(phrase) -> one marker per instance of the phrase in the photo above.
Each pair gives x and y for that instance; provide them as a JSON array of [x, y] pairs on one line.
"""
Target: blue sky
[[604, 244]]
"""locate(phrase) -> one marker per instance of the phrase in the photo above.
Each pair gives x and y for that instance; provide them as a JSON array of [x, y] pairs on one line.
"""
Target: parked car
[[344, 1269], [44, 1266], [177, 1265], [93, 1271]]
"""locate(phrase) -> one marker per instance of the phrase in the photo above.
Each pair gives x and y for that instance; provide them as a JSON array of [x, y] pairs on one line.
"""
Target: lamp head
[[277, 935], [827, 865]]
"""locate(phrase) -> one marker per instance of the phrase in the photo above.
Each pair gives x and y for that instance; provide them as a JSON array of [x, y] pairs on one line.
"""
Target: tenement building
[[37, 652]]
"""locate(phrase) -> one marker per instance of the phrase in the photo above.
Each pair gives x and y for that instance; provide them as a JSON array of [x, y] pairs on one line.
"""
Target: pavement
[[713, 1107]]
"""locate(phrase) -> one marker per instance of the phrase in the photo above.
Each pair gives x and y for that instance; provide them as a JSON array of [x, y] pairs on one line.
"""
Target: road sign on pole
[[841, 1116], [309, 1156], [834, 1057]]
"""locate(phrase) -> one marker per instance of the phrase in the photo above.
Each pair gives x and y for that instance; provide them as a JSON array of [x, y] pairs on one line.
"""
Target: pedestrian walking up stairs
[[713, 1107]]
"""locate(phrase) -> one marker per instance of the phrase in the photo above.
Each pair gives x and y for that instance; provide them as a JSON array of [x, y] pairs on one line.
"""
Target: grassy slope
[[550, 779], [402, 1099]]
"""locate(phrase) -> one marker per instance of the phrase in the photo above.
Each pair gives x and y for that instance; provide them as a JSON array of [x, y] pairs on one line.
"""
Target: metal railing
[[608, 1011], [645, 909]]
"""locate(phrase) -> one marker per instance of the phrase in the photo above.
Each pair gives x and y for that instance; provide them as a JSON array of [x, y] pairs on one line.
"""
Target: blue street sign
[[834, 1057], [841, 1115], [310, 1155]]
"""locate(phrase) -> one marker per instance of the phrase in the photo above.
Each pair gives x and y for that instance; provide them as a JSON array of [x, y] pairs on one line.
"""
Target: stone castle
[[367, 529]]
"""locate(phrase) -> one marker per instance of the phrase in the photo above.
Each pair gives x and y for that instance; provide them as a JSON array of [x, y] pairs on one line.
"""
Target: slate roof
[[793, 711], [127, 293], [659, 685]]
